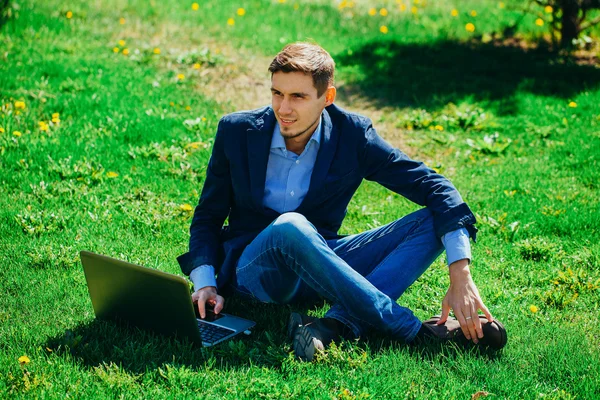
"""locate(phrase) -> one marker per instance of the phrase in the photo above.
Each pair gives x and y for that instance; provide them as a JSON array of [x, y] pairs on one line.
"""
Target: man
[[284, 175]]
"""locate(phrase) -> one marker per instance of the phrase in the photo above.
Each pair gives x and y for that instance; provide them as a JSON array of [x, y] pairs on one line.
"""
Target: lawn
[[108, 111]]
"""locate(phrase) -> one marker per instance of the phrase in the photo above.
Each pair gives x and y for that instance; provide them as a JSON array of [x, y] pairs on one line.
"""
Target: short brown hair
[[308, 58]]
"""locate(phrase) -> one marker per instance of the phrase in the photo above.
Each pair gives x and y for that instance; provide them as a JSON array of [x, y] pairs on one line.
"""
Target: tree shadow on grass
[[434, 74], [100, 343]]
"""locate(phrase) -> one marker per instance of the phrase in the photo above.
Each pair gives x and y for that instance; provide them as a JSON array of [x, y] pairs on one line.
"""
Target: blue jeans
[[362, 275]]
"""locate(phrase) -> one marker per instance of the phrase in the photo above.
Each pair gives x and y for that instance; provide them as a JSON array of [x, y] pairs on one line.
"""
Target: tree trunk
[[569, 23]]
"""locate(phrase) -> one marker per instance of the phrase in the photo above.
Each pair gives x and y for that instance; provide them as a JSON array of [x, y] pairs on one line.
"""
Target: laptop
[[154, 300]]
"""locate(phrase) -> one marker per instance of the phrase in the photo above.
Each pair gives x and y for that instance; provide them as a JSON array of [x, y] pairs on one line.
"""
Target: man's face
[[295, 102]]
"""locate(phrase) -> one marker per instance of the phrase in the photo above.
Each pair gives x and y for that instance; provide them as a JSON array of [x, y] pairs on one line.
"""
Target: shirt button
[[297, 161], [292, 193]]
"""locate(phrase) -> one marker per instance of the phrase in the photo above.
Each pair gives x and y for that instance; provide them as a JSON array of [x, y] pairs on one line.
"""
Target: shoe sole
[[294, 322], [303, 344]]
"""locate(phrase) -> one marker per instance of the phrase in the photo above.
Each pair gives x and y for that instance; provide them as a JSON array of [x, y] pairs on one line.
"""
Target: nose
[[284, 107]]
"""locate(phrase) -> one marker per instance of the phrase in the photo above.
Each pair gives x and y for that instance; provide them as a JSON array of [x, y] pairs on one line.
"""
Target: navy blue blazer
[[350, 151]]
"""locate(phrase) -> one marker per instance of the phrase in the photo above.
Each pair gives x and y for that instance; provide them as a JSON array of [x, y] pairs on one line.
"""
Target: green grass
[[525, 161]]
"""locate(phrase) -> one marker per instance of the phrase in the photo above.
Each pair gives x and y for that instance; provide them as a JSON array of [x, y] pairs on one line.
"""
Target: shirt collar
[[277, 141]]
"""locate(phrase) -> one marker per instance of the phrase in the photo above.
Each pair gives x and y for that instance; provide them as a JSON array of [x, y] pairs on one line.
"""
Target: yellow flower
[[473, 13], [548, 9], [454, 13], [539, 22], [19, 105], [186, 207], [115, 49], [180, 77], [402, 7], [122, 43], [470, 27], [241, 12], [156, 50], [188, 108], [203, 119], [125, 52], [196, 66], [17, 133], [111, 174], [501, 5], [533, 309], [383, 12], [43, 126], [572, 104], [1, 129], [383, 29], [282, 1], [439, 128], [69, 15], [55, 121], [55, 115], [372, 11], [24, 360], [231, 22], [414, 10], [122, 21], [296, 6]]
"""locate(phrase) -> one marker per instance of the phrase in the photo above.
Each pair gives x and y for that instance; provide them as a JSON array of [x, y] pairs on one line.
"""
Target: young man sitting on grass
[[284, 175]]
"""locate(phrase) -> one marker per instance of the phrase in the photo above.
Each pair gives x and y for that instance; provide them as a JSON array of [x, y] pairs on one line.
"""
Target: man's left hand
[[464, 299]]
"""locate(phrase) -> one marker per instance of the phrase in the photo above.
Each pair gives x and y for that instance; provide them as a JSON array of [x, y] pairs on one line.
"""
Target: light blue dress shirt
[[286, 185]]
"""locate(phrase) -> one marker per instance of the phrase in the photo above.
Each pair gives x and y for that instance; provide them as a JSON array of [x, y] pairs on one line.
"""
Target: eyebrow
[[296, 93]]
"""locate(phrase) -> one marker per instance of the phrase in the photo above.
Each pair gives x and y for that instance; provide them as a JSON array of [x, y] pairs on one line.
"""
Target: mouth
[[286, 122]]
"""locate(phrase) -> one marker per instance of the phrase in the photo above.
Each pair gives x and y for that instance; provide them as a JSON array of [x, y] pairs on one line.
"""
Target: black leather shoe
[[295, 321], [313, 337], [494, 333]]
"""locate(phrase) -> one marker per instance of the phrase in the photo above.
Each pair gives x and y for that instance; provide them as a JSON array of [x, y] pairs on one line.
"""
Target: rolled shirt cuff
[[203, 276], [457, 245]]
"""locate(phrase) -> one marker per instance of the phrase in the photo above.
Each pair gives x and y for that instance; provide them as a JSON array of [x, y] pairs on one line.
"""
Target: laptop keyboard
[[212, 333]]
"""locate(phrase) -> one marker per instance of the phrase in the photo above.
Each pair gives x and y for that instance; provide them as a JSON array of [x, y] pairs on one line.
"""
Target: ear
[[330, 95]]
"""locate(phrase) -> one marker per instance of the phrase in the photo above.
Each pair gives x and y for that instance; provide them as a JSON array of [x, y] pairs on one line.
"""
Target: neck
[[298, 144]]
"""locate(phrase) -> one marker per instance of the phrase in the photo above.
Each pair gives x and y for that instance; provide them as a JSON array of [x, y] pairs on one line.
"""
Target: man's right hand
[[208, 295]]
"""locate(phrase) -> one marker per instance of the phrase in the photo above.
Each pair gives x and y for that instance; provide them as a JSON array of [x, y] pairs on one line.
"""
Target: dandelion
[[414, 10], [548, 9], [473, 13], [402, 7], [383, 12], [69, 15], [533, 308], [282, 1], [186, 207], [121, 43], [180, 77], [125, 52], [572, 104], [296, 6], [24, 360], [188, 108], [501, 5], [372, 11], [122, 21], [383, 29], [156, 50], [195, 6], [231, 22], [20, 105], [1, 129], [241, 12], [43, 126], [196, 66], [539, 22], [470, 27], [203, 119], [439, 128], [17, 133], [111, 174], [454, 13]]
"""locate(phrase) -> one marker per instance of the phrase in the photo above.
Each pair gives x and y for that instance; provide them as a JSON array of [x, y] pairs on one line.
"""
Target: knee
[[292, 224]]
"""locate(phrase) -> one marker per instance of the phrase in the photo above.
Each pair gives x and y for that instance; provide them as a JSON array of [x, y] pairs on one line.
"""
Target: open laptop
[[155, 300]]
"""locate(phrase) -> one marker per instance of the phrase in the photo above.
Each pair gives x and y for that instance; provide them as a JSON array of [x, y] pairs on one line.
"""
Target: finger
[[488, 314], [220, 304], [463, 323], [445, 313], [476, 323], [470, 319], [202, 306]]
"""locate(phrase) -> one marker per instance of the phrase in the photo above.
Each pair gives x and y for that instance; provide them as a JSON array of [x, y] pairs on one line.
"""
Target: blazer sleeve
[[212, 209], [414, 180]]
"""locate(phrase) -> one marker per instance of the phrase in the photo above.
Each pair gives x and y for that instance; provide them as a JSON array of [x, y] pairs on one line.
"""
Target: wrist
[[459, 269]]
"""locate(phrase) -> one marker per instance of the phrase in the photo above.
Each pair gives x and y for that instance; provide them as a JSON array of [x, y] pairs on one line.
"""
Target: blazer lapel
[[325, 156], [259, 144]]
